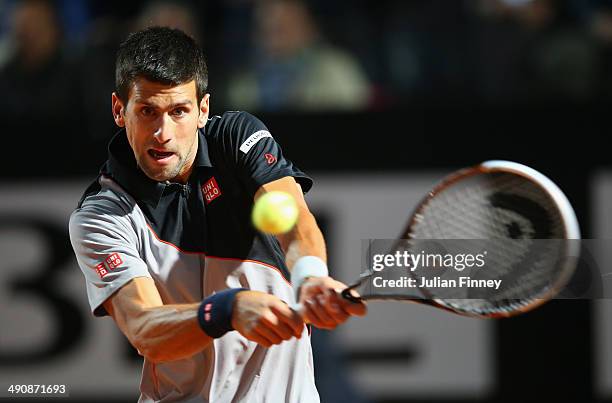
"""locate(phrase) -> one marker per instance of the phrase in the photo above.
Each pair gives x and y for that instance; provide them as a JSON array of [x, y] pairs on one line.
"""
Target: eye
[[147, 111], [179, 112]]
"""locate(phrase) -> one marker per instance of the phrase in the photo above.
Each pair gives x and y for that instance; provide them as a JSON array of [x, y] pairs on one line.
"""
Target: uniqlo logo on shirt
[[101, 270], [113, 261], [211, 190], [110, 263]]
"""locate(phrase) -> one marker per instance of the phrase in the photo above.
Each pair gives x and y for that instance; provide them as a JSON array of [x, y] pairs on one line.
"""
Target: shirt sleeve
[[257, 155], [106, 249]]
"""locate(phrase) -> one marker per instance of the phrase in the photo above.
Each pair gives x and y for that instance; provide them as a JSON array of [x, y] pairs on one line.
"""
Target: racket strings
[[501, 209]]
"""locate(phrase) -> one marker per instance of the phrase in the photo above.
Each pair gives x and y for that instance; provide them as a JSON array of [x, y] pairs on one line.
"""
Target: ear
[[118, 110], [204, 109]]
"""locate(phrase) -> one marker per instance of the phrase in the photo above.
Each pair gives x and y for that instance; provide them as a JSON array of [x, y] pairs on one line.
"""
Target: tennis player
[[164, 239]]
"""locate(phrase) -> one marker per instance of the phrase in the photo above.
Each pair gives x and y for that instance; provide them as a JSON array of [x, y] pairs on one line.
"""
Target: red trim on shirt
[[254, 261], [220, 258], [173, 245]]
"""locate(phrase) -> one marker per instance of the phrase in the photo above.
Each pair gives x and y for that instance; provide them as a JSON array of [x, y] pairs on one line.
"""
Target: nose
[[163, 133]]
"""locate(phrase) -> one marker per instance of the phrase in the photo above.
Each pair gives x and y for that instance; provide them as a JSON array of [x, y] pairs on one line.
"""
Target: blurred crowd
[[56, 57]]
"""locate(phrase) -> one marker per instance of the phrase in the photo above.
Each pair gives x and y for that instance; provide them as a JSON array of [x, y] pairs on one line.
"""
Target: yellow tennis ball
[[275, 213]]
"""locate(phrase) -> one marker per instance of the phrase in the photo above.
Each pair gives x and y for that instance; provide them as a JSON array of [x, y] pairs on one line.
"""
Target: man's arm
[[172, 332], [306, 238], [323, 306]]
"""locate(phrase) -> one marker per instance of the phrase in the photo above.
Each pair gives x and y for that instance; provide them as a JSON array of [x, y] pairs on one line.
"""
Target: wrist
[[215, 312], [304, 268]]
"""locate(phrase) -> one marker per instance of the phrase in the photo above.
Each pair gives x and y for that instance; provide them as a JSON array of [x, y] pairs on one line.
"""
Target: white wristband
[[307, 266]]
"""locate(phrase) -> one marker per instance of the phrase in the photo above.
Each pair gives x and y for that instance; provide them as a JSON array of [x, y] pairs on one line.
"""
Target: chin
[[159, 176]]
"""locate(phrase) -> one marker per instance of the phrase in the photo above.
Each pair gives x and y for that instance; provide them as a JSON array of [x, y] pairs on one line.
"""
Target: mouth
[[160, 156]]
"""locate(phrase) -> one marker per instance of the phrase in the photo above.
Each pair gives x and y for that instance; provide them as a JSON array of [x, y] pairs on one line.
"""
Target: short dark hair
[[162, 55]]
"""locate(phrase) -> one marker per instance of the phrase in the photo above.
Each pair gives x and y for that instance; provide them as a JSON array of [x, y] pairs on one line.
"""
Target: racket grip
[[346, 294]]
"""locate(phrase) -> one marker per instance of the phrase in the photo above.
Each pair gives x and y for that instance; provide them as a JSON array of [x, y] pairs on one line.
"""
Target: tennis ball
[[275, 213]]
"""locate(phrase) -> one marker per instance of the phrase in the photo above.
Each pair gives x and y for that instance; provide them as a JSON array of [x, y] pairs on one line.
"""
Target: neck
[[185, 172]]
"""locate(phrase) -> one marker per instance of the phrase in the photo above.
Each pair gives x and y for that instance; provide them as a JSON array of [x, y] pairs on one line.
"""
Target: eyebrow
[[171, 106]]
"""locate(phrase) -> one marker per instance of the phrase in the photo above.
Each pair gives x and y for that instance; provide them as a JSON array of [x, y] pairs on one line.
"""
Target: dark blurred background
[[357, 92], [469, 73]]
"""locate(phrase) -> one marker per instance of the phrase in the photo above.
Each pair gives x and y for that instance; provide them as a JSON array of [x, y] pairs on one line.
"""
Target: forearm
[[167, 332], [305, 239]]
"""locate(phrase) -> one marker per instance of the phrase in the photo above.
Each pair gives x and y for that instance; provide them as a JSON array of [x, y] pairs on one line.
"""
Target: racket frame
[[570, 222]]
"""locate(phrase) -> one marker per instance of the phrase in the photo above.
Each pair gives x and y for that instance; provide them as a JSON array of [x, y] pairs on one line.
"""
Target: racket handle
[[346, 294]]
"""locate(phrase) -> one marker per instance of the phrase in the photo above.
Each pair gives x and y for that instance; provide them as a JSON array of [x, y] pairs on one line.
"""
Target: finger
[[356, 308], [289, 317], [333, 306], [312, 318], [257, 338], [270, 336], [283, 330], [309, 315], [324, 310], [287, 331], [319, 312], [274, 323]]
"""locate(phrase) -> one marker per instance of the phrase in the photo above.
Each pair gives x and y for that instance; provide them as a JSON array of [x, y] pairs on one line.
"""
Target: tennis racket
[[525, 220]]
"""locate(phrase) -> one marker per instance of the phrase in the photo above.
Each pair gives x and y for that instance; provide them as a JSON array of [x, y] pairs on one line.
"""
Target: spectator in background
[[173, 14], [36, 33], [96, 74], [178, 14], [98, 59], [5, 44], [294, 68], [534, 50], [425, 51], [600, 25], [39, 95]]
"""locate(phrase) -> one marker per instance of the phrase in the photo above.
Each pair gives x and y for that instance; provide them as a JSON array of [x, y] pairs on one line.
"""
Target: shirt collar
[[122, 167], [202, 158]]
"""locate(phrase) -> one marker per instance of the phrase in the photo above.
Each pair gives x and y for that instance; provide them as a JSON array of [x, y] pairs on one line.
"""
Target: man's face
[[161, 122]]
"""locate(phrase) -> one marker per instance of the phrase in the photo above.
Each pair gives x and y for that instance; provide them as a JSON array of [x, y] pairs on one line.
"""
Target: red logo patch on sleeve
[[101, 270], [110, 263], [270, 159], [113, 261], [210, 190]]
